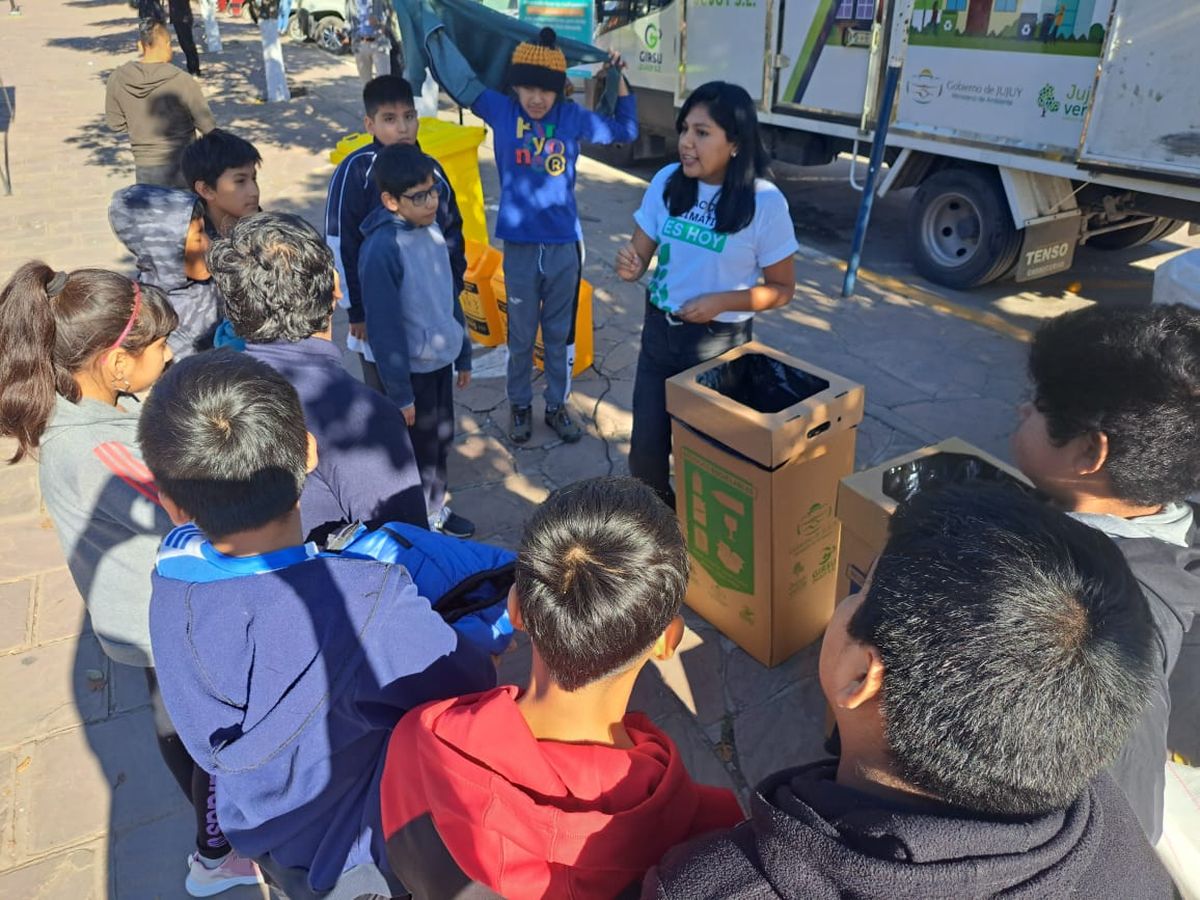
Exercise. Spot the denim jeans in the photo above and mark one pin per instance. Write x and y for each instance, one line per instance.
(667, 350)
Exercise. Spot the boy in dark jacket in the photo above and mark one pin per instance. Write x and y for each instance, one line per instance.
(415, 317)
(283, 667)
(390, 117)
(1113, 436)
(280, 285)
(160, 105)
(557, 790)
(985, 675)
(164, 229)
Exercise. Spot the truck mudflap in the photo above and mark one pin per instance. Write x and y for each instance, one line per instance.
(1048, 246)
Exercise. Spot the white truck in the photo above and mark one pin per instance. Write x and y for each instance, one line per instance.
(1027, 127)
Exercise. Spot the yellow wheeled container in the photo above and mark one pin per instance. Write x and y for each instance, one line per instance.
(583, 324)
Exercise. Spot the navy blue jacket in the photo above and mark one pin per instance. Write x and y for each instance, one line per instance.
(366, 471)
(353, 196)
(284, 685)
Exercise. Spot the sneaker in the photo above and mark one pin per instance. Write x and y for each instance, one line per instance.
(234, 871)
(559, 418)
(451, 524)
(521, 428)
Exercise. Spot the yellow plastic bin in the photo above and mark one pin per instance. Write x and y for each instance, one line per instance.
(484, 322)
(456, 148)
(584, 351)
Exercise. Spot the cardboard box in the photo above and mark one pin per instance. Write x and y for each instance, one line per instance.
(761, 440)
(867, 499)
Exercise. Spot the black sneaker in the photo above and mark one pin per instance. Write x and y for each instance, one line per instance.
(521, 428)
(451, 524)
(559, 418)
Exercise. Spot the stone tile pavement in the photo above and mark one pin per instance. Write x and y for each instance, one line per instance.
(86, 807)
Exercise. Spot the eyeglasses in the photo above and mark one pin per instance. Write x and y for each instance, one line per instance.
(422, 198)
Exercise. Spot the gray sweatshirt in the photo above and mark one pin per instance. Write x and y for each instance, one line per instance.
(104, 505)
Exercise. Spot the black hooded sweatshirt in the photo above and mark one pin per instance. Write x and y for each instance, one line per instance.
(161, 107)
(809, 837)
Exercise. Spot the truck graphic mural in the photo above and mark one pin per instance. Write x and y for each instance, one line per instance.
(1060, 27)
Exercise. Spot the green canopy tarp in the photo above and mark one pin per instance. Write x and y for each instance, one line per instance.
(467, 47)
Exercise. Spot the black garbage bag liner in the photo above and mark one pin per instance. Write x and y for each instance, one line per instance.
(761, 382)
(904, 481)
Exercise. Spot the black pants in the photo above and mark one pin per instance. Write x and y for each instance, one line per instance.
(433, 431)
(182, 22)
(195, 783)
(667, 350)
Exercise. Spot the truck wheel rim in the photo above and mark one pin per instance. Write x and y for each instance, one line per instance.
(951, 230)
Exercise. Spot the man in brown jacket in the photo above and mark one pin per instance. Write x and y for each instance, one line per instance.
(159, 104)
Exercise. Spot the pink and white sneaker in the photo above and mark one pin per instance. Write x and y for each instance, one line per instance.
(232, 872)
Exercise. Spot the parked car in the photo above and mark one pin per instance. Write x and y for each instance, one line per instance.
(320, 21)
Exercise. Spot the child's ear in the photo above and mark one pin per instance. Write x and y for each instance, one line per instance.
(1092, 453)
(664, 648)
(199, 187)
(858, 674)
(175, 513)
(514, 609)
(312, 459)
(369, 125)
(390, 203)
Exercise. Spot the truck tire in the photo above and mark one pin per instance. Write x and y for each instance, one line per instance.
(961, 234)
(1135, 235)
(328, 35)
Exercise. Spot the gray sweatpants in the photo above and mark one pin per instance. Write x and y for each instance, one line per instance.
(542, 281)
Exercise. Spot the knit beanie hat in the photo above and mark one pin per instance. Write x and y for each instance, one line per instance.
(539, 65)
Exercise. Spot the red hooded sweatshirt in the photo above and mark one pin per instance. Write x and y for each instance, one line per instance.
(473, 803)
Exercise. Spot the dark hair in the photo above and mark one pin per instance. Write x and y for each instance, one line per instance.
(276, 275)
(732, 109)
(1016, 647)
(53, 326)
(224, 436)
(1133, 374)
(386, 90)
(208, 158)
(152, 29)
(601, 571)
(401, 167)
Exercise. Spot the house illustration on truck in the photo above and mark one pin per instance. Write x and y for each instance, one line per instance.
(1045, 21)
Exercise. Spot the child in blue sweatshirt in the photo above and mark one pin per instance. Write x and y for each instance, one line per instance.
(415, 318)
(285, 667)
(536, 141)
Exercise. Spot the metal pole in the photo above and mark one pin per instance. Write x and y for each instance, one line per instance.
(896, 51)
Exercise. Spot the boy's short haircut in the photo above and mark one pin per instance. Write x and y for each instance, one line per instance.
(152, 29)
(386, 90)
(208, 158)
(1016, 647)
(276, 274)
(1133, 374)
(401, 167)
(601, 571)
(224, 436)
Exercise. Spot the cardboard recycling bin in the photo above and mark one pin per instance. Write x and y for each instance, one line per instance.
(761, 440)
(478, 298)
(867, 499)
(583, 349)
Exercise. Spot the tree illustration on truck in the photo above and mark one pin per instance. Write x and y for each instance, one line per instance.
(1046, 99)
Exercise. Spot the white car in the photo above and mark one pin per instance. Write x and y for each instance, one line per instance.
(320, 21)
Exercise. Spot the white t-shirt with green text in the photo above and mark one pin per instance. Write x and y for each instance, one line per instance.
(695, 259)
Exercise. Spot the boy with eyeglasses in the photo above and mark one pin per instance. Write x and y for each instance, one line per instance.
(414, 317)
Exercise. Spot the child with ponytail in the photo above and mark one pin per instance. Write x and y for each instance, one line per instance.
(74, 350)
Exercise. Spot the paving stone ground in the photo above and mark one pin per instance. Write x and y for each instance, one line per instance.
(86, 807)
